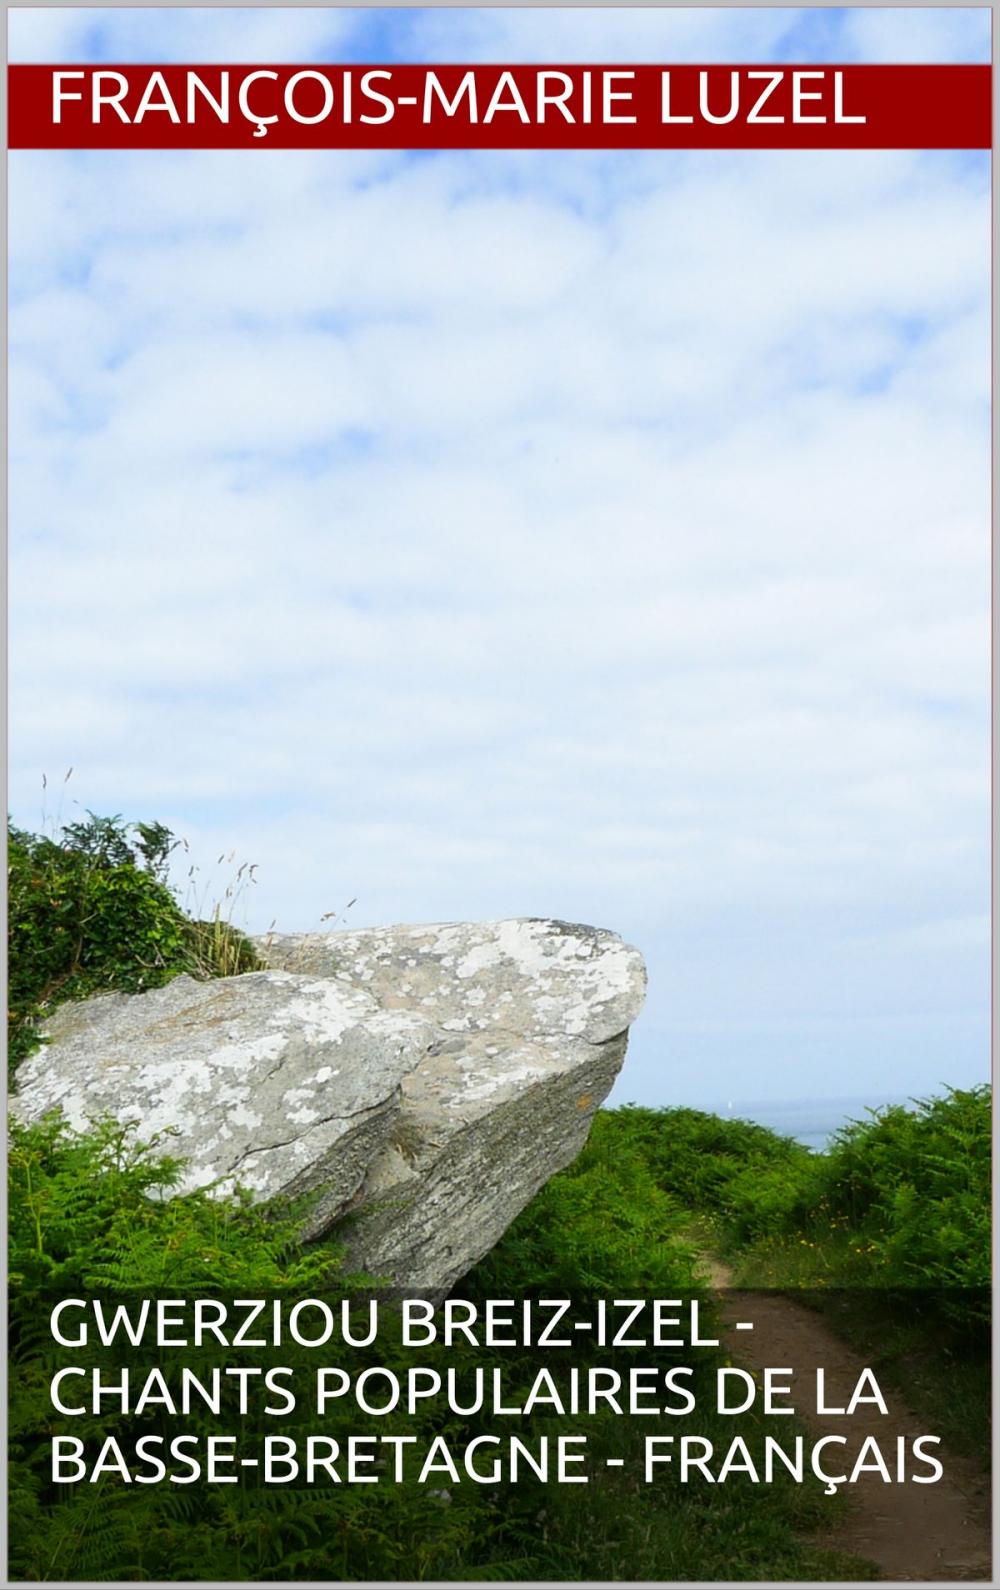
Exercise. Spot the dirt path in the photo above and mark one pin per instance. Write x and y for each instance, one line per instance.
(913, 1532)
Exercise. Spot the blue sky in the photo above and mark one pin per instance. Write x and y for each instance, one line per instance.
(594, 536)
(871, 33)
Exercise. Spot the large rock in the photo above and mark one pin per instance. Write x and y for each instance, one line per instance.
(531, 1022)
(428, 1080)
(285, 1084)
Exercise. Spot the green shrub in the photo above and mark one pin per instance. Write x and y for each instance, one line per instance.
(751, 1178)
(88, 1217)
(602, 1225)
(91, 912)
(901, 1198)
(762, 1200)
(915, 1184)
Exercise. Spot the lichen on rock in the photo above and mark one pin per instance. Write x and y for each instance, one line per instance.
(427, 1079)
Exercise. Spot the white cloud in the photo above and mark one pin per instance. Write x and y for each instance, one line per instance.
(705, 33)
(602, 33)
(204, 33)
(535, 535)
(526, 33)
(911, 34)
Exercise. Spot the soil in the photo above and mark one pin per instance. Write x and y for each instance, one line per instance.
(910, 1531)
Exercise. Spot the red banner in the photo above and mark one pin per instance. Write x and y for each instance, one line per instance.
(499, 107)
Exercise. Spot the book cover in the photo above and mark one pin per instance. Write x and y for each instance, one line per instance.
(498, 859)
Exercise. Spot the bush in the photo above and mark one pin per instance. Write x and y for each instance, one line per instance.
(88, 1219)
(602, 1225)
(751, 1178)
(763, 1200)
(92, 912)
(916, 1184)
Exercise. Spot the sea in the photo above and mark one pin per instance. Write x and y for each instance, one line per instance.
(810, 1121)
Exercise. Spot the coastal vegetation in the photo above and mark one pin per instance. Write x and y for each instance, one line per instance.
(90, 909)
(886, 1232)
(88, 1218)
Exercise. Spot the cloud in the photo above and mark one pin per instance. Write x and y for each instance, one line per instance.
(702, 34)
(251, 34)
(913, 35)
(601, 33)
(595, 536)
(522, 33)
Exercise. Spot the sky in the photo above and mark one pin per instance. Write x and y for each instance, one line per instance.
(597, 536)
